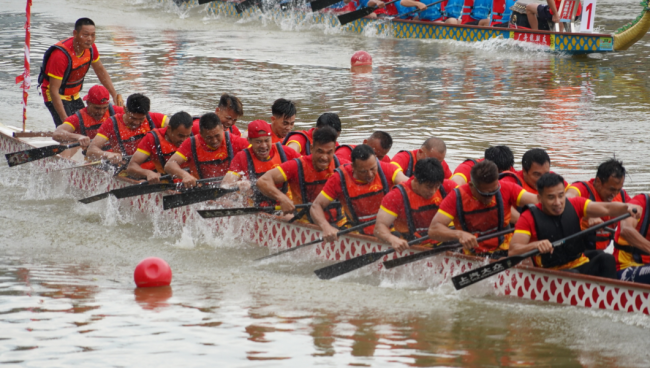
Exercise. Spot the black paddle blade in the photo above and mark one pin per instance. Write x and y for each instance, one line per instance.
(350, 265)
(23, 157)
(95, 198)
(194, 196)
(472, 277)
(241, 7)
(136, 190)
(357, 14)
(201, 2)
(322, 4)
(226, 212)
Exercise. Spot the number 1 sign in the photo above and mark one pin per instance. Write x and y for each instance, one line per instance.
(588, 15)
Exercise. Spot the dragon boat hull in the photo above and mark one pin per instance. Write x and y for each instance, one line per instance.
(567, 43)
(521, 282)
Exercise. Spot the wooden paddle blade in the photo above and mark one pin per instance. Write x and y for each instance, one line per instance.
(95, 198)
(194, 196)
(23, 157)
(350, 265)
(136, 190)
(357, 14)
(322, 4)
(226, 212)
(471, 277)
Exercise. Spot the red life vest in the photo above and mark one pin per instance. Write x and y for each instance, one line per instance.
(637, 254)
(211, 164)
(86, 126)
(361, 202)
(519, 179)
(164, 151)
(310, 183)
(602, 238)
(74, 75)
(307, 134)
(257, 168)
(410, 167)
(473, 217)
(419, 212)
(130, 137)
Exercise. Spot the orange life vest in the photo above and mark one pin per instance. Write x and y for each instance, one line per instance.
(361, 202)
(307, 134)
(419, 212)
(164, 151)
(130, 137)
(519, 179)
(473, 217)
(637, 254)
(86, 126)
(257, 168)
(74, 75)
(211, 164)
(601, 238)
(310, 183)
(410, 167)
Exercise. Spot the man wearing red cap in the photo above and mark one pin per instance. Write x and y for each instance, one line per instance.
(83, 125)
(207, 154)
(64, 68)
(262, 156)
(158, 146)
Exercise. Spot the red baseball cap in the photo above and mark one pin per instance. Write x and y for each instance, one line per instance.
(97, 95)
(259, 128)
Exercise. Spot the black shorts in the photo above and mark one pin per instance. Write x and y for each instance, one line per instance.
(70, 108)
(544, 13)
(472, 23)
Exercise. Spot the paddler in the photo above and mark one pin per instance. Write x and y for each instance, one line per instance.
(306, 175)
(479, 207)
(158, 146)
(124, 131)
(229, 110)
(632, 244)
(557, 217)
(380, 142)
(301, 140)
(410, 206)
(607, 186)
(432, 147)
(360, 187)
(82, 126)
(501, 155)
(207, 154)
(261, 156)
(534, 163)
(283, 116)
(64, 68)
(546, 13)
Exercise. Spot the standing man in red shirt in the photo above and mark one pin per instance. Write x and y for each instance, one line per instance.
(124, 131)
(557, 217)
(432, 147)
(481, 206)
(64, 68)
(158, 146)
(306, 175)
(501, 155)
(606, 187)
(410, 206)
(301, 140)
(283, 116)
(82, 126)
(208, 154)
(360, 187)
(380, 142)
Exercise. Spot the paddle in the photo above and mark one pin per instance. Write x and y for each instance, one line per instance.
(226, 212)
(352, 264)
(357, 14)
(320, 240)
(322, 4)
(417, 10)
(94, 163)
(471, 277)
(23, 157)
(437, 250)
(241, 7)
(195, 196)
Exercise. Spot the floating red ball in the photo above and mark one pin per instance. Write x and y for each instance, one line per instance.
(152, 272)
(361, 58)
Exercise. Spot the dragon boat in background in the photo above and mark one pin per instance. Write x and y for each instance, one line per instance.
(524, 282)
(553, 41)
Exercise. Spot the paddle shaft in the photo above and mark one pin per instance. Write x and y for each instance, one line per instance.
(34, 154)
(241, 211)
(412, 12)
(354, 15)
(471, 277)
(320, 240)
(94, 163)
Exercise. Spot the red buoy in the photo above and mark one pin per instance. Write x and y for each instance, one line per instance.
(152, 272)
(361, 58)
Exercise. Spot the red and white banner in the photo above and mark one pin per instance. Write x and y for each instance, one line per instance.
(588, 16)
(25, 77)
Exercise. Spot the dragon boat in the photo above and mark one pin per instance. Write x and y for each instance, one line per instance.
(552, 41)
(525, 282)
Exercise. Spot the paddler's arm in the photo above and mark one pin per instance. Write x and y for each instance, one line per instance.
(173, 167)
(526, 198)
(136, 170)
(553, 9)
(267, 184)
(612, 209)
(55, 85)
(439, 230)
(317, 212)
(520, 244)
(572, 192)
(382, 231)
(294, 145)
(64, 133)
(413, 3)
(514, 215)
(632, 236)
(95, 151)
(105, 80)
(400, 178)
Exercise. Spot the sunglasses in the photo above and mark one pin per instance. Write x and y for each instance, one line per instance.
(487, 194)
